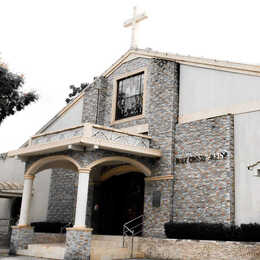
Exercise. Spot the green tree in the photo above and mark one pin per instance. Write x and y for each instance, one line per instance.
(75, 91)
(12, 99)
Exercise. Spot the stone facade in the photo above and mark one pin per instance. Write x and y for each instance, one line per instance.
(20, 239)
(78, 244)
(62, 196)
(160, 112)
(155, 248)
(42, 238)
(193, 181)
(4, 232)
(155, 217)
(94, 102)
(204, 187)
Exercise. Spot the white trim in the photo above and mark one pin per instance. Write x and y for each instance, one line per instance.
(247, 69)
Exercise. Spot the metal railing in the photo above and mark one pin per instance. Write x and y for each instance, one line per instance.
(132, 228)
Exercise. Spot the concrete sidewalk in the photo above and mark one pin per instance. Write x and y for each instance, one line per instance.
(6, 257)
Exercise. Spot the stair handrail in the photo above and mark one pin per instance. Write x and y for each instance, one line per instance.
(131, 230)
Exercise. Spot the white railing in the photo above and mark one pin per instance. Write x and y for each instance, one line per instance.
(91, 136)
(57, 135)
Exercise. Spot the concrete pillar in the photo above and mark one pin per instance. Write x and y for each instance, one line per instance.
(82, 199)
(26, 201)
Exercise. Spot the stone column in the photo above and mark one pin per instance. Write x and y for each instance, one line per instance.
(26, 201)
(78, 238)
(22, 235)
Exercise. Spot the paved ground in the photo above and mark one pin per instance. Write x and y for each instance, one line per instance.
(2, 257)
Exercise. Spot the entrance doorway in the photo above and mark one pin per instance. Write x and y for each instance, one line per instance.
(117, 201)
(15, 210)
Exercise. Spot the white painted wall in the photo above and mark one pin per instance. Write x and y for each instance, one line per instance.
(206, 93)
(41, 186)
(72, 117)
(247, 152)
(5, 208)
(12, 170)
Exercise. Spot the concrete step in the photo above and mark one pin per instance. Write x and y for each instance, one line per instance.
(107, 237)
(106, 243)
(53, 251)
(108, 253)
(102, 248)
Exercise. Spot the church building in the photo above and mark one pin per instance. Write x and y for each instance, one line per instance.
(157, 135)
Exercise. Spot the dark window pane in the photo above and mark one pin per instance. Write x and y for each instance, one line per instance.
(129, 96)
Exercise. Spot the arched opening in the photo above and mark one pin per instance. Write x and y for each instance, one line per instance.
(53, 162)
(55, 190)
(118, 193)
(117, 200)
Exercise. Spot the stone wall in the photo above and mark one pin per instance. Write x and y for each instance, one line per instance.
(43, 238)
(78, 244)
(204, 178)
(155, 217)
(162, 115)
(4, 232)
(94, 102)
(20, 238)
(62, 196)
(197, 249)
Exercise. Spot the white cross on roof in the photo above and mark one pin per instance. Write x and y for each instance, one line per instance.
(133, 22)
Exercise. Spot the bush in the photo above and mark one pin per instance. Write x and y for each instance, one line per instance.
(49, 227)
(207, 231)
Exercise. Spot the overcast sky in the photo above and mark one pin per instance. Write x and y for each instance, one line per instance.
(56, 43)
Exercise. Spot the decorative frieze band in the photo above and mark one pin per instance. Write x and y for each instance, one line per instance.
(159, 178)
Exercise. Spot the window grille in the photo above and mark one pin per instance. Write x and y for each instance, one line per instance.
(130, 96)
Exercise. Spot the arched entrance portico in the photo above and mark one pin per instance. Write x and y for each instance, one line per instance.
(124, 169)
(50, 162)
(117, 165)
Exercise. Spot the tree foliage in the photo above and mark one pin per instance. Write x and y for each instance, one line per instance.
(75, 91)
(12, 99)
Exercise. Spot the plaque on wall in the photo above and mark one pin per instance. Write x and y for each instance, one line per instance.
(156, 199)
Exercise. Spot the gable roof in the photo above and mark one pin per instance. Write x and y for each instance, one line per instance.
(235, 67)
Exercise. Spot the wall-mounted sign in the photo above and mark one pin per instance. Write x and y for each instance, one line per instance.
(202, 158)
(156, 199)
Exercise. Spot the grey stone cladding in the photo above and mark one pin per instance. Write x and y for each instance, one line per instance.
(4, 232)
(78, 244)
(204, 189)
(62, 196)
(160, 112)
(155, 217)
(20, 239)
(94, 102)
